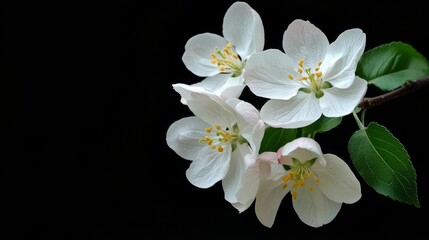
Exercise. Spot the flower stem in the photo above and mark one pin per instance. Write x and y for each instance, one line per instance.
(358, 121)
(362, 116)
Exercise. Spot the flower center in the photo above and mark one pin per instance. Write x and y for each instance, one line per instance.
(300, 175)
(311, 78)
(227, 60)
(217, 137)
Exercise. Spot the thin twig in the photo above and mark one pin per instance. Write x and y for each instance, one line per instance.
(407, 88)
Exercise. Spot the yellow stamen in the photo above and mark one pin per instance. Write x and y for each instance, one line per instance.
(223, 69)
(227, 60)
(312, 78)
(218, 138)
(298, 175)
(295, 185)
(290, 77)
(301, 63)
(220, 149)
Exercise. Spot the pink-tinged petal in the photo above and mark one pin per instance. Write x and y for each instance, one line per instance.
(197, 56)
(303, 149)
(270, 157)
(242, 26)
(337, 181)
(299, 111)
(209, 167)
(269, 197)
(183, 136)
(267, 72)
(343, 54)
(303, 40)
(314, 208)
(265, 168)
(338, 102)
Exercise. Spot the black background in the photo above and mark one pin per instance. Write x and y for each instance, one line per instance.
(87, 92)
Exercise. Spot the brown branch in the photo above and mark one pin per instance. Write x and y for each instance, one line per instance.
(407, 88)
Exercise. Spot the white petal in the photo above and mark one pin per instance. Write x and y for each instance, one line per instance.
(299, 111)
(303, 149)
(232, 180)
(267, 73)
(197, 57)
(209, 167)
(269, 198)
(248, 115)
(242, 26)
(223, 85)
(214, 83)
(338, 102)
(185, 91)
(251, 126)
(211, 109)
(250, 180)
(337, 181)
(183, 137)
(313, 208)
(248, 184)
(242, 206)
(343, 54)
(303, 40)
(270, 157)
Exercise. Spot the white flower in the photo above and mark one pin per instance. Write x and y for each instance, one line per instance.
(319, 184)
(222, 140)
(311, 78)
(222, 59)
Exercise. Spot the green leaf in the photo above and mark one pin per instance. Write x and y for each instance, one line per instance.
(384, 163)
(275, 138)
(323, 124)
(389, 66)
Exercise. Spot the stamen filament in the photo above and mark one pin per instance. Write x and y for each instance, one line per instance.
(227, 60)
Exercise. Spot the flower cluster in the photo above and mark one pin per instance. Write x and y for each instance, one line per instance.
(310, 78)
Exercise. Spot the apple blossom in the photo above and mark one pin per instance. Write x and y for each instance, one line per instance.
(222, 59)
(312, 77)
(319, 184)
(222, 141)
